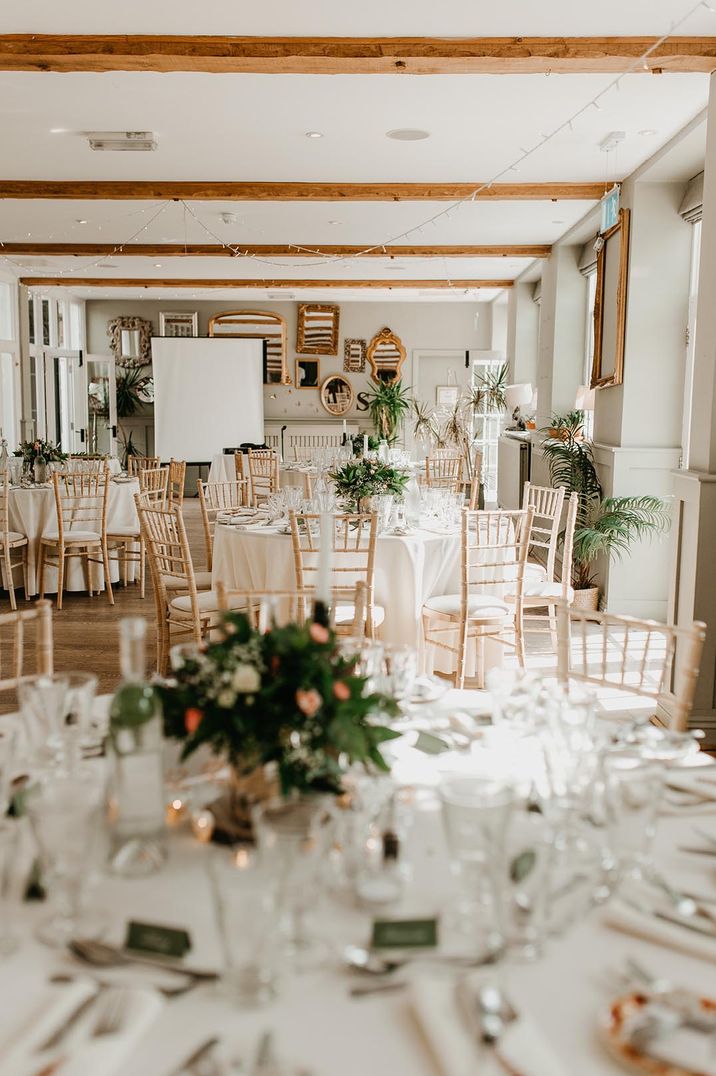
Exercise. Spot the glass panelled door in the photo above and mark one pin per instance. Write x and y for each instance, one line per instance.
(101, 405)
(488, 425)
(64, 413)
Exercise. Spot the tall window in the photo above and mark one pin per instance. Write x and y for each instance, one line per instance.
(591, 279)
(487, 431)
(690, 342)
(9, 365)
(55, 336)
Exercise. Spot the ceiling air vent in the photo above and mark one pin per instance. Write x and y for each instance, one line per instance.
(116, 141)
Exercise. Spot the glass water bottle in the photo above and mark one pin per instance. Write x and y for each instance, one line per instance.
(137, 837)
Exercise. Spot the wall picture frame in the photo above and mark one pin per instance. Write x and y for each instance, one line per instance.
(178, 323)
(317, 329)
(337, 395)
(610, 304)
(308, 373)
(354, 355)
(447, 396)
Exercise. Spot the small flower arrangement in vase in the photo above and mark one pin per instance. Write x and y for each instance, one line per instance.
(37, 454)
(283, 707)
(363, 478)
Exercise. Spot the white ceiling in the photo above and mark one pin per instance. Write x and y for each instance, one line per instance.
(399, 18)
(252, 127)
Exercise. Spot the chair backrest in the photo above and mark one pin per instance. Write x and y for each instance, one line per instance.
(154, 482)
(494, 547)
(215, 497)
(168, 552)
(21, 631)
(280, 607)
(444, 471)
(476, 480)
(353, 560)
(81, 499)
(568, 543)
(547, 503)
(177, 475)
(263, 471)
(635, 656)
(85, 463)
(135, 464)
(5, 503)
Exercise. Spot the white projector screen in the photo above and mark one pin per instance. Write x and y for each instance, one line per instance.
(208, 395)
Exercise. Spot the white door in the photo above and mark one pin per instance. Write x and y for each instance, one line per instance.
(63, 399)
(101, 403)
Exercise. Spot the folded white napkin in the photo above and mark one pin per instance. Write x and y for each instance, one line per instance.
(620, 916)
(78, 1054)
(521, 1048)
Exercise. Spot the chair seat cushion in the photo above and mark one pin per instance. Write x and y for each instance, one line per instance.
(13, 537)
(73, 536)
(345, 614)
(480, 606)
(553, 591)
(535, 572)
(202, 579)
(124, 532)
(208, 602)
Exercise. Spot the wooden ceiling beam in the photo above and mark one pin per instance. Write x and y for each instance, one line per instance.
(231, 282)
(279, 250)
(352, 55)
(258, 191)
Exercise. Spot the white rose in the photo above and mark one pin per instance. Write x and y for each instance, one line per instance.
(245, 679)
(226, 699)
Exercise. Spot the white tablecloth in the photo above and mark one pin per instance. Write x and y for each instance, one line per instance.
(223, 469)
(316, 1025)
(32, 512)
(408, 571)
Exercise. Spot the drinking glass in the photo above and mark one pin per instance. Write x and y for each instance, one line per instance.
(245, 898)
(80, 720)
(15, 468)
(382, 503)
(9, 896)
(293, 836)
(633, 784)
(65, 812)
(366, 657)
(476, 813)
(400, 670)
(43, 706)
(530, 854)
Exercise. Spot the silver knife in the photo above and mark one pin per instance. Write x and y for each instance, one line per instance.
(197, 1055)
(688, 923)
(698, 851)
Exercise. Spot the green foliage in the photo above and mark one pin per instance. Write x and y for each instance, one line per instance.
(32, 450)
(488, 395)
(132, 386)
(357, 443)
(605, 527)
(285, 697)
(388, 403)
(368, 478)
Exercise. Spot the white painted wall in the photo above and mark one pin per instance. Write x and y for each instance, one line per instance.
(522, 334)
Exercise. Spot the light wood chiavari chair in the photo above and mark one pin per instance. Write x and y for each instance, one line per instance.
(476, 482)
(135, 464)
(177, 476)
(353, 562)
(547, 503)
(11, 542)
(264, 473)
(127, 542)
(548, 593)
(493, 555)
(78, 462)
(444, 472)
(184, 611)
(217, 497)
(81, 499)
(639, 657)
(267, 607)
(20, 632)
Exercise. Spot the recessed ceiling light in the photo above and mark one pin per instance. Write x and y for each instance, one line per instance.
(157, 265)
(335, 222)
(58, 130)
(558, 222)
(314, 134)
(647, 131)
(407, 134)
(80, 221)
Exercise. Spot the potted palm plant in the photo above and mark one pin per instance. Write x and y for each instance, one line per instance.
(606, 526)
(388, 403)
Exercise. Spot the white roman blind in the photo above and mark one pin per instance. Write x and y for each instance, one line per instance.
(692, 204)
(587, 263)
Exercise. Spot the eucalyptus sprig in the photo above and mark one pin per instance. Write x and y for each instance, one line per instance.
(368, 478)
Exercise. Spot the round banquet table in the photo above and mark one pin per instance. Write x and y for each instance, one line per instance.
(32, 512)
(317, 1026)
(409, 569)
(223, 469)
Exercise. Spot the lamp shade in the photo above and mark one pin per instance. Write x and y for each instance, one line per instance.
(518, 396)
(585, 398)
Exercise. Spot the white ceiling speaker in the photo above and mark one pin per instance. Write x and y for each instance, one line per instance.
(228, 218)
(407, 134)
(119, 141)
(611, 141)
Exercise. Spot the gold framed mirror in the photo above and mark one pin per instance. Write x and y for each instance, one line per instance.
(386, 355)
(317, 329)
(337, 394)
(610, 303)
(261, 324)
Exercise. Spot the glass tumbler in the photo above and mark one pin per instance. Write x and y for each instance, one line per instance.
(633, 784)
(43, 708)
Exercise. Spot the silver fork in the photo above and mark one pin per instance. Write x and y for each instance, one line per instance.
(112, 1014)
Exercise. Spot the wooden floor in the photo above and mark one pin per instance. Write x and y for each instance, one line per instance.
(86, 630)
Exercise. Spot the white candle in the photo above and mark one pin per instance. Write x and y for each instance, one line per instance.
(365, 444)
(345, 427)
(325, 559)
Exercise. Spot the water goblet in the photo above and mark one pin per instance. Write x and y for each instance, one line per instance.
(633, 782)
(43, 706)
(400, 670)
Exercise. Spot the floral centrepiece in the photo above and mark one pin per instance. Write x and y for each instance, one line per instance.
(34, 450)
(284, 697)
(368, 478)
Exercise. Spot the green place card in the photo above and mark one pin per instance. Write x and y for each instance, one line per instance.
(151, 938)
(405, 934)
(430, 744)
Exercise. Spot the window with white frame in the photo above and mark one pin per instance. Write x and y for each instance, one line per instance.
(690, 342)
(10, 380)
(487, 429)
(56, 335)
(591, 281)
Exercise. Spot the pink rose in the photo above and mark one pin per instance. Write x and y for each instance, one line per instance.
(318, 633)
(341, 690)
(192, 719)
(309, 701)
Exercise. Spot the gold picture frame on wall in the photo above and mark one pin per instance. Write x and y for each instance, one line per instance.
(610, 304)
(262, 325)
(337, 394)
(317, 329)
(386, 355)
(308, 373)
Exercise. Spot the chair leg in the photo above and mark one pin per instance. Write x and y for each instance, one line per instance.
(142, 568)
(25, 574)
(60, 575)
(519, 638)
(7, 557)
(107, 573)
(41, 571)
(553, 626)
